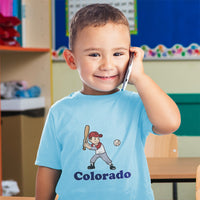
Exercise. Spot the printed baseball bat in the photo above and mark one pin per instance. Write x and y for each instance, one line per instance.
(86, 132)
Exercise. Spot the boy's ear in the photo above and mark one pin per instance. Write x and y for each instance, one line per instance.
(69, 58)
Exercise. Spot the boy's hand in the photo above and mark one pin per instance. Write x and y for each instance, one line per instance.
(138, 69)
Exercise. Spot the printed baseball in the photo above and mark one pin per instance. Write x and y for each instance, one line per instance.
(117, 142)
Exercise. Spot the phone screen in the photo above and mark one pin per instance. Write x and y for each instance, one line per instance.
(128, 72)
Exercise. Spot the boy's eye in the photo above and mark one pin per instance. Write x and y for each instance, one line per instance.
(117, 54)
(94, 55)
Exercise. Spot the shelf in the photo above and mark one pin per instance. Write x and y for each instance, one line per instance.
(31, 63)
(22, 104)
(21, 49)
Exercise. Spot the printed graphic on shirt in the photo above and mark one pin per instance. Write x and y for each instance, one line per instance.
(117, 142)
(92, 142)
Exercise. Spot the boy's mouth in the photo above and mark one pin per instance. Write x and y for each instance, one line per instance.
(106, 77)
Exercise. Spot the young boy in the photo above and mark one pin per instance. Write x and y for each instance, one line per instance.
(99, 50)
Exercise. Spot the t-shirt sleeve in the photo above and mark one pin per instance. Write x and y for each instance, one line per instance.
(48, 154)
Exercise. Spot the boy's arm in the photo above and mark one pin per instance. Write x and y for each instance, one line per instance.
(46, 181)
(161, 109)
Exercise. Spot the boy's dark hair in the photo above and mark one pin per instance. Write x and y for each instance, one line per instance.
(94, 15)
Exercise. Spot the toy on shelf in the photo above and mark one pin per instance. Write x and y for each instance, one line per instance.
(18, 89)
(8, 32)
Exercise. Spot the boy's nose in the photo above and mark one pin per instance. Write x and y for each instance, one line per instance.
(106, 64)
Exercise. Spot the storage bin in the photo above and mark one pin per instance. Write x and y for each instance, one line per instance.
(22, 123)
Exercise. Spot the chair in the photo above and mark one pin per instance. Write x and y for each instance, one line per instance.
(198, 183)
(162, 146)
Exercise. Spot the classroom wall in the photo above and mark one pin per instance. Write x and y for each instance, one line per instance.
(173, 77)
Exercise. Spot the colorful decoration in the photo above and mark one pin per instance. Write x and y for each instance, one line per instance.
(176, 52)
(160, 52)
(58, 54)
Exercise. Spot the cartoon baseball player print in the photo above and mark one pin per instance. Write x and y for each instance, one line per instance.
(98, 147)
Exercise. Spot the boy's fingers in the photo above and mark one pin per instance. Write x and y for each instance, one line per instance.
(138, 52)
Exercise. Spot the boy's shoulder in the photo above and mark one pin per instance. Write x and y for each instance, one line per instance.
(130, 94)
(130, 98)
(64, 101)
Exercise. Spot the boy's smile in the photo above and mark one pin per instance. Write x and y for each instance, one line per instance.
(101, 55)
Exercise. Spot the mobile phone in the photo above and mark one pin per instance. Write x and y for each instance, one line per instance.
(128, 72)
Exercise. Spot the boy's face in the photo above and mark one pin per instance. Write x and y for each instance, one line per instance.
(101, 56)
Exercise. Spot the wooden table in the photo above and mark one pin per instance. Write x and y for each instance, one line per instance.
(173, 170)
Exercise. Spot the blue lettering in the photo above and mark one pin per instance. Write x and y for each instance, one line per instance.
(127, 175)
(119, 175)
(92, 176)
(112, 176)
(105, 176)
(76, 175)
(98, 176)
(86, 177)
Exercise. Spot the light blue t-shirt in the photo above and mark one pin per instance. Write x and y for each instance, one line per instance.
(116, 167)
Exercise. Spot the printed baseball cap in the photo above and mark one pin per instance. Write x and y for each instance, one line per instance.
(94, 134)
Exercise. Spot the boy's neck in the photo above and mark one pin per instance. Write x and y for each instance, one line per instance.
(94, 92)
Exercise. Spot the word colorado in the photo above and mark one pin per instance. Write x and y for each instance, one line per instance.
(106, 176)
